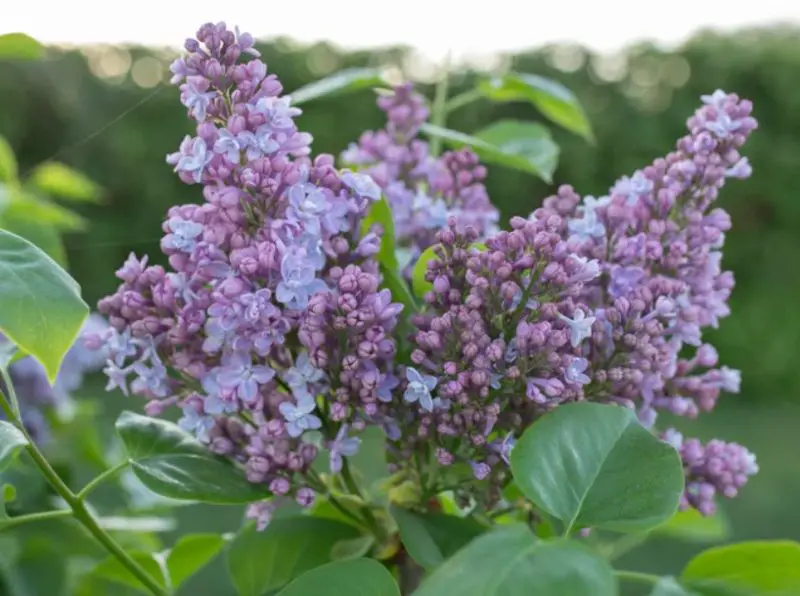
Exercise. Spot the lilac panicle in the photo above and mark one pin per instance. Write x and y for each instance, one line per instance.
(594, 299)
(267, 328)
(424, 191)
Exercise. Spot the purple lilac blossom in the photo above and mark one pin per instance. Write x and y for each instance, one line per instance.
(423, 190)
(272, 259)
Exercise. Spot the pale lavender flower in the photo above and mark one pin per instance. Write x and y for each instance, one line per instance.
(299, 279)
(580, 327)
(196, 96)
(183, 236)
(419, 388)
(192, 158)
(299, 417)
(343, 446)
(575, 371)
(240, 374)
(361, 184)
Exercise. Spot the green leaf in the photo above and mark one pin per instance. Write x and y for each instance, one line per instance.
(758, 567)
(487, 151)
(352, 548)
(174, 464)
(551, 98)
(381, 213)
(419, 284)
(692, 526)
(18, 46)
(60, 180)
(190, 554)
(41, 309)
(8, 165)
(45, 237)
(431, 538)
(12, 441)
(594, 465)
(399, 289)
(512, 562)
(344, 578)
(27, 206)
(260, 562)
(528, 140)
(344, 81)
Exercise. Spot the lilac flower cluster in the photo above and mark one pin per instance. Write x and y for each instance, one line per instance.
(269, 329)
(594, 299)
(424, 191)
(38, 399)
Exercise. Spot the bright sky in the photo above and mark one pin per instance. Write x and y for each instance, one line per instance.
(432, 26)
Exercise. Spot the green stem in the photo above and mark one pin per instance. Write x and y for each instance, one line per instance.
(94, 483)
(34, 517)
(81, 513)
(463, 99)
(638, 576)
(439, 114)
(12, 395)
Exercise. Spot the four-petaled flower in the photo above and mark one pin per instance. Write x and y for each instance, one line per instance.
(300, 280)
(299, 417)
(575, 372)
(580, 327)
(195, 421)
(240, 374)
(363, 185)
(307, 204)
(343, 446)
(419, 388)
(196, 97)
(192, 158)
(183, 236)
(303, 373)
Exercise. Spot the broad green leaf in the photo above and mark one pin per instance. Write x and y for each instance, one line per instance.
(381, 213)
(488, 152)
(692, 526)
(60, 180)
(174, 464)
(27, 206)
(190, 554)
(12, 441)
(528, 140)
(511, 561)
(352, 548)
(355, 577)
(419, 284)
(399, 289)
(758, 567)
(8, 167)
(18, 46)
(668, 586)
(44, 236)
(41, 309)
(344, 81)
(431, 538)
(594, 465)
(552, 99)
(265, 561)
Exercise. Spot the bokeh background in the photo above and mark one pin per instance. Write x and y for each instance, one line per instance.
(106, 110)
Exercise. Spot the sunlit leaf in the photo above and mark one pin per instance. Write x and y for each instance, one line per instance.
(344, 81)
(528, 140)
(18, 46)
(61, 181)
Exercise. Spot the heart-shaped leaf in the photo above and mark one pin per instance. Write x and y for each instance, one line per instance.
(431, 538)
(594, 465)
(262, 562)
(511, 561)
(174, 464)
(757, 567)
(551, 98)
(41, 309)
(344, 578)
(344, 81)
